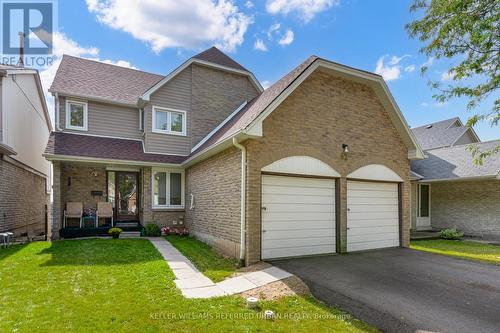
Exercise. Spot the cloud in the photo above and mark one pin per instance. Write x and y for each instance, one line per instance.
(396, 60)
(265, 84)
(249, 4)
(259, 45)
(438, 105)
(272, 30)
(65, 45)
(390, 71)
(428, 63)
(448, 76)
(424, 104)
(187, 24)
(410, 68)
(287, 39)
(306, 9)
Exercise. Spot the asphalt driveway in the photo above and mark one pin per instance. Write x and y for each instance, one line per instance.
(403, 290)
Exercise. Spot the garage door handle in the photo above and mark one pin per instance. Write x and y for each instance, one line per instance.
(348, 209)
(348, 228)
(263, 231)
(264, 208)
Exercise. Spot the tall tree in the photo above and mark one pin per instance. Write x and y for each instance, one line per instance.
(467, 31)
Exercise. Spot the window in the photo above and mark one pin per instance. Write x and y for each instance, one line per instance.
(424, 200)
(141, 119)
(168, 188)
(76, 115)
(169, 121)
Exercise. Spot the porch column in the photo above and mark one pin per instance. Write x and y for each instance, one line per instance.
(57, 205)
(342, 214)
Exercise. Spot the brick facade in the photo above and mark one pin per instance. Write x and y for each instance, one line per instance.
(24, 199)
(315, 120)
(472, 207)
(215, 186)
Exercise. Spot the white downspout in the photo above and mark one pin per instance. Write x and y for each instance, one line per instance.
(56, 102)
(243, 202)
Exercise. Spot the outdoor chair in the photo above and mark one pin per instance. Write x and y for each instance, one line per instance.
(104, 210)
(74, 210)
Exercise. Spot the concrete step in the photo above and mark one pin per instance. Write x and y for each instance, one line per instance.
(130, 234)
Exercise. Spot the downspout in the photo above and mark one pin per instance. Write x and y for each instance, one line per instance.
(242, 202)
(56, 102)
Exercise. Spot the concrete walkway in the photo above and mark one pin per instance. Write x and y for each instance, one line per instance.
(193, 284)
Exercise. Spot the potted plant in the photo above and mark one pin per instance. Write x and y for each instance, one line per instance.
(115, 232)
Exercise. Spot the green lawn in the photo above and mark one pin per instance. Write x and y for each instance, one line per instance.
(214, 266)
(124, 285)
(462, 249)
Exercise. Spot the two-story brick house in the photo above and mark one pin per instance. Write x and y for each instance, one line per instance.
(317, 163)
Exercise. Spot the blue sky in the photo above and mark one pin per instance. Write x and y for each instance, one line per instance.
(269, 37)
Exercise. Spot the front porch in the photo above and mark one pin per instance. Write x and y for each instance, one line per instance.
(126, 190)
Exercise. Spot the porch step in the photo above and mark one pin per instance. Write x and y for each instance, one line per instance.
(130, 234)
(126, 224)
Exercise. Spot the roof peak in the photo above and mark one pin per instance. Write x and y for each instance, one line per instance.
(216, 56)
(437, 122)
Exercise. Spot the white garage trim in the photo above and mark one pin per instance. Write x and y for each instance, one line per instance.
(298, 216)
(373, 215)
(301, 165)
(376, 172)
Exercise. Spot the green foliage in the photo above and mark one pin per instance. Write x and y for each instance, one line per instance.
(115, 231)
(125, 285)
(152, 230)
(210, 263)
(452, 234)
(468, 32)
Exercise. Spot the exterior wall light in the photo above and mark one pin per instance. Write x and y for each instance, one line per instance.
(345, 148)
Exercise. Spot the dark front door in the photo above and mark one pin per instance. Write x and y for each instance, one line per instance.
(126, 196)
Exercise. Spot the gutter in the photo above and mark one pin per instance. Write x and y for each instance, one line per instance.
(56, 97)
(243, 201)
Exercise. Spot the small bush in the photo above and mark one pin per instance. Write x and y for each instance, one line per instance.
(115, 231)
(152, 230)
(452, 234)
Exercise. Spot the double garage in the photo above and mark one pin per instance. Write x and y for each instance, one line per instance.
(301, 215)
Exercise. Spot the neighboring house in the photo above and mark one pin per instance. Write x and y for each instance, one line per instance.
(24, 173)
(317, 163)
(448, 189)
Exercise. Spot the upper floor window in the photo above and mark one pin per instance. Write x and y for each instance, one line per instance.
(169, 121)
(76, 115)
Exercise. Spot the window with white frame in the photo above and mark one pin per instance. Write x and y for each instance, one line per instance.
(169, 121)
(76, 115)
(168, 188)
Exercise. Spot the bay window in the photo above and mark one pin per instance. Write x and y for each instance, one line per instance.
(168, 188)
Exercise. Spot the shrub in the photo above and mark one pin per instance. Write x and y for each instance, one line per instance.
(115, 232)
(453, 234)
(152, 230)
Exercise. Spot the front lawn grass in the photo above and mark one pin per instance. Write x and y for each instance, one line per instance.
(214, 266)
(462, 249)
(124, 285)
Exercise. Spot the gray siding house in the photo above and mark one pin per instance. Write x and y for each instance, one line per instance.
(448, 189)
(24, 173)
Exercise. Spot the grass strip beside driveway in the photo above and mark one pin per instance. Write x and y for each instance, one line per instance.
(209, 262)
(462, 249)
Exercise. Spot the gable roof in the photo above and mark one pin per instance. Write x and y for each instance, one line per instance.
(212, 57)
(454, 163)
(88, 147)
(248, 121)
(215, 56)
(443, 133)
(100, 81)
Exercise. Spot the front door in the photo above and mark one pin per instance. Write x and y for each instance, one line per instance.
(126, 195)
(424, 207)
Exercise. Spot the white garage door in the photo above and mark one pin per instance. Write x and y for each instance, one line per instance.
(298, 216)
(372, 215)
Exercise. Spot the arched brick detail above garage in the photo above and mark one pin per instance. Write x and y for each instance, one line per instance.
(301, 165)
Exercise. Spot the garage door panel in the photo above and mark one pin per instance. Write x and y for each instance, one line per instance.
(373, 215)
(306, 208)
(298, 199)
(297, 251)
(299, 216)
(297, 225)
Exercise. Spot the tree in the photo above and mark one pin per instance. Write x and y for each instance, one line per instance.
(468, 32)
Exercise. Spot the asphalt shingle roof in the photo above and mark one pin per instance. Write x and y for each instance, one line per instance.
(215, 56)
(438, 134)
(456, 162)
(94, 79)
(68, 144)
